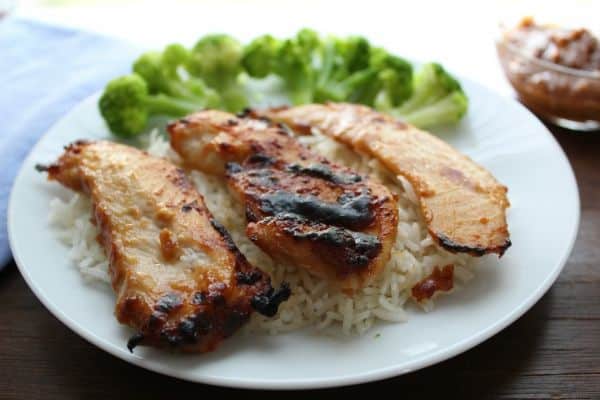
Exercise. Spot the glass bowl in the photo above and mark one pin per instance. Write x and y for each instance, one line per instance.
(565, 96)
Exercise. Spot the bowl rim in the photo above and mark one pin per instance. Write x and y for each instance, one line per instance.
(579, 73)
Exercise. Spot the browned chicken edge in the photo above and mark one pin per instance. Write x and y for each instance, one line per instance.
(454, 247)
(179, 320)
(299, 205)
(360, 122)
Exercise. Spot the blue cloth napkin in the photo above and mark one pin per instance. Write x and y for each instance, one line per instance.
(44, 71)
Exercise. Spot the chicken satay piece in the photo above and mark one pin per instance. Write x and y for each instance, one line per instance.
(179, 278)
(301, 209)
(463, 205)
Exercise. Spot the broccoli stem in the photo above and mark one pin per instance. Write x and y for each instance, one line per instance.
(301, 96)
(169, 106)
(447, 110)
(327, 64)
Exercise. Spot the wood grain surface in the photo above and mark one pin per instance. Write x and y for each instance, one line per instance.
(553, 351)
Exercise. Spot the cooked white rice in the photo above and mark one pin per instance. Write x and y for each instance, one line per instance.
(313, 303)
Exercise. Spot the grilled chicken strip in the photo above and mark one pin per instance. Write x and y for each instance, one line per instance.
(462, 203)
(180, 280)
(300, 208)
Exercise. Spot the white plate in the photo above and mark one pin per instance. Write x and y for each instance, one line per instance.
(498, 133)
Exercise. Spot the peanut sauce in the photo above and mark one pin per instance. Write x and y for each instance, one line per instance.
(571, 89)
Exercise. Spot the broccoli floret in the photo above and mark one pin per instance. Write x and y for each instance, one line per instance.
(174, 57)
(432, 83)
(149, 67)
(161, 73)
(361, 74)
(126, 105)
(309, 41)
(294, 65)
(217, 60)
(437, 99)
(260, 55)
(355, 52)
(395, 75)
(339, 59)
(177, 81)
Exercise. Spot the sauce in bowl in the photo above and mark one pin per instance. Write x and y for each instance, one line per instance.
(556, 72)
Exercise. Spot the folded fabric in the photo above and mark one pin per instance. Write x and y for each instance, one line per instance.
(44, 71)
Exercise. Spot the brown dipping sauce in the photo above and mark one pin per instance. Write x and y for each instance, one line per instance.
(532, 56)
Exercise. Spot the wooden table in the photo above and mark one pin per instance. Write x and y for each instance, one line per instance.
(553, 351)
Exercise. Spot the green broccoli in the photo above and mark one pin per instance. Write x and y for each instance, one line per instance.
(260, 55)
(174, 57)
(449, 109)
(291, 59)
(340, 58)
(308, 40)
(362, 73)
(126, 105)
(294, 65)
(217, 60)
(177, 80)
(437, 99)
(355, 52)
(395, 76)
(161, 73)
(332, 69)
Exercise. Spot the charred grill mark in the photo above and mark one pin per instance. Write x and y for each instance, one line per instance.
(188, 330)
(232, 168)
(246, 112)
(478, 251)
(215, 293)
(270, 299)
(234, 321)
(203, 324)
(171, 337)
(241, 263)
(193, 205)
(168, 302)
(180, 179)
(173, 124)
(199, 298)
(225, 235)
(251, 215)
(259, 179)
(163, 312)
(260, 159)
(157, 318)
(324, 172)
(351, 210)
(52, 169)
(358, 249)
(248, 278)
(251, 113)
(134, 341)
(211, 318)
(268, 304)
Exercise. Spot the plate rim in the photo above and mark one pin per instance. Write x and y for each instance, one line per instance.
(426, 360)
